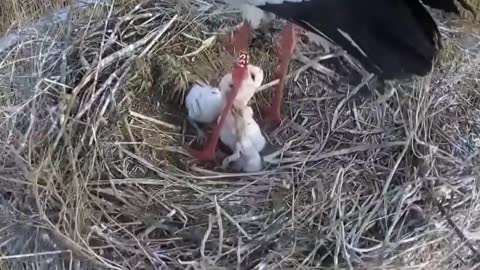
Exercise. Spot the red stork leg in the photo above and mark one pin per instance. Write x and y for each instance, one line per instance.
(288, 41)
(231, 41)
(239, 74)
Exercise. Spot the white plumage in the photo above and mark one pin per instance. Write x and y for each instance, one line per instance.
(241, 133)
(228, 133)
(251, 130)
(204, 103)
(246, 140)
(248, 87)
(245, 158)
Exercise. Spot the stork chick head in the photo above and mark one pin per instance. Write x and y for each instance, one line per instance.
(247, 86)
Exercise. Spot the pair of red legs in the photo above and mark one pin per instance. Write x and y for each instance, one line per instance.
(240, 43)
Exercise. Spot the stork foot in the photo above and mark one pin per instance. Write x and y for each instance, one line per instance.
(201, 137)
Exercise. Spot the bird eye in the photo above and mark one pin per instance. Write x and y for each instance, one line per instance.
(230, 85)
(252, 76)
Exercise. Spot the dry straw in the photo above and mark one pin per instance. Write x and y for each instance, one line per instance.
(96, 174)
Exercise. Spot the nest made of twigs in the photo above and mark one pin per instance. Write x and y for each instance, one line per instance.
(96, 173)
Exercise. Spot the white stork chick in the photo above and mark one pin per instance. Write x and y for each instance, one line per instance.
(205, 103)
(228, 133)
(241, 133)
(249, 142)
(244, 93)
(248, 87)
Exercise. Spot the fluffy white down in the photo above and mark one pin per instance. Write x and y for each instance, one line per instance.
(246, 158)
(240, 133)
(246, 144)
(252, 130)
(228, 133)
(248, 87)
(204, 103)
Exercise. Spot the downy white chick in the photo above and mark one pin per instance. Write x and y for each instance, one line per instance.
(248, 87)
(248, 144)
(241, 133)
(228, 133)
(205, 103)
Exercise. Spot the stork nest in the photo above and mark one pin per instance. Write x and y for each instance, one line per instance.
(96, 174)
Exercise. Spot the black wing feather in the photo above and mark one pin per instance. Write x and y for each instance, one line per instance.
(445, 5)
(399, 37)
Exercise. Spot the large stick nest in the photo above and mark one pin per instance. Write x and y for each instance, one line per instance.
(96, 173)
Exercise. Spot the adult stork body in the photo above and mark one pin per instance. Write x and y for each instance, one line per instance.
(390, 38)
